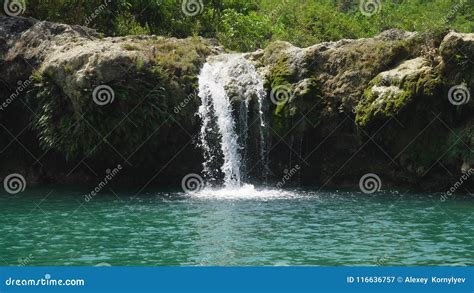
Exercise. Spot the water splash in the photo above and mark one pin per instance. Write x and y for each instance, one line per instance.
(247, 192)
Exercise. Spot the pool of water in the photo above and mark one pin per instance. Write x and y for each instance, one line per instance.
(246, 227)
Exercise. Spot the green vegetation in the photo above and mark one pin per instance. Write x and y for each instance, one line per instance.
(144, 97)
(60, 123)
(389, 104)
(245, 25)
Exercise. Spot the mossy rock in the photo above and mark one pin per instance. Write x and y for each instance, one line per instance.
(457, 51)
(392, 91)
(154, 100)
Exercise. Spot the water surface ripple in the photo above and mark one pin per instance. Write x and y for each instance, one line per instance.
(293, 227)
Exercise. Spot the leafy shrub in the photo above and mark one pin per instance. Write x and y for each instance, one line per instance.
(247, 25)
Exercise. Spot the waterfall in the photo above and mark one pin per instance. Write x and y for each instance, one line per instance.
(224, 81)
(261, 115)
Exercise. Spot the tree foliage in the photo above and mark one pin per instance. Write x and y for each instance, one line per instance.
(245, 25)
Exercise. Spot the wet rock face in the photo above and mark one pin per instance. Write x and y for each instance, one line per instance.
(338, 109)
(393, 90)
(105, 100)
(377, 105)
(342, 68)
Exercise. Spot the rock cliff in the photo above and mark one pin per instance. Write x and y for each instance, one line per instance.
(76, 103)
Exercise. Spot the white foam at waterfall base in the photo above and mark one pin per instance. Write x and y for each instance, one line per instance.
(245, 192)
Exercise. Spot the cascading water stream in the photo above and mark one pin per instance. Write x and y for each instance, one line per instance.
(223, 79)
(216, 102)
(261, 115)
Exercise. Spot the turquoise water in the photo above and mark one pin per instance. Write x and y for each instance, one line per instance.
(296, 227)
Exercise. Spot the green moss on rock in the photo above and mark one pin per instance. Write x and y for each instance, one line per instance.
(392, 91)
(149, 98)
